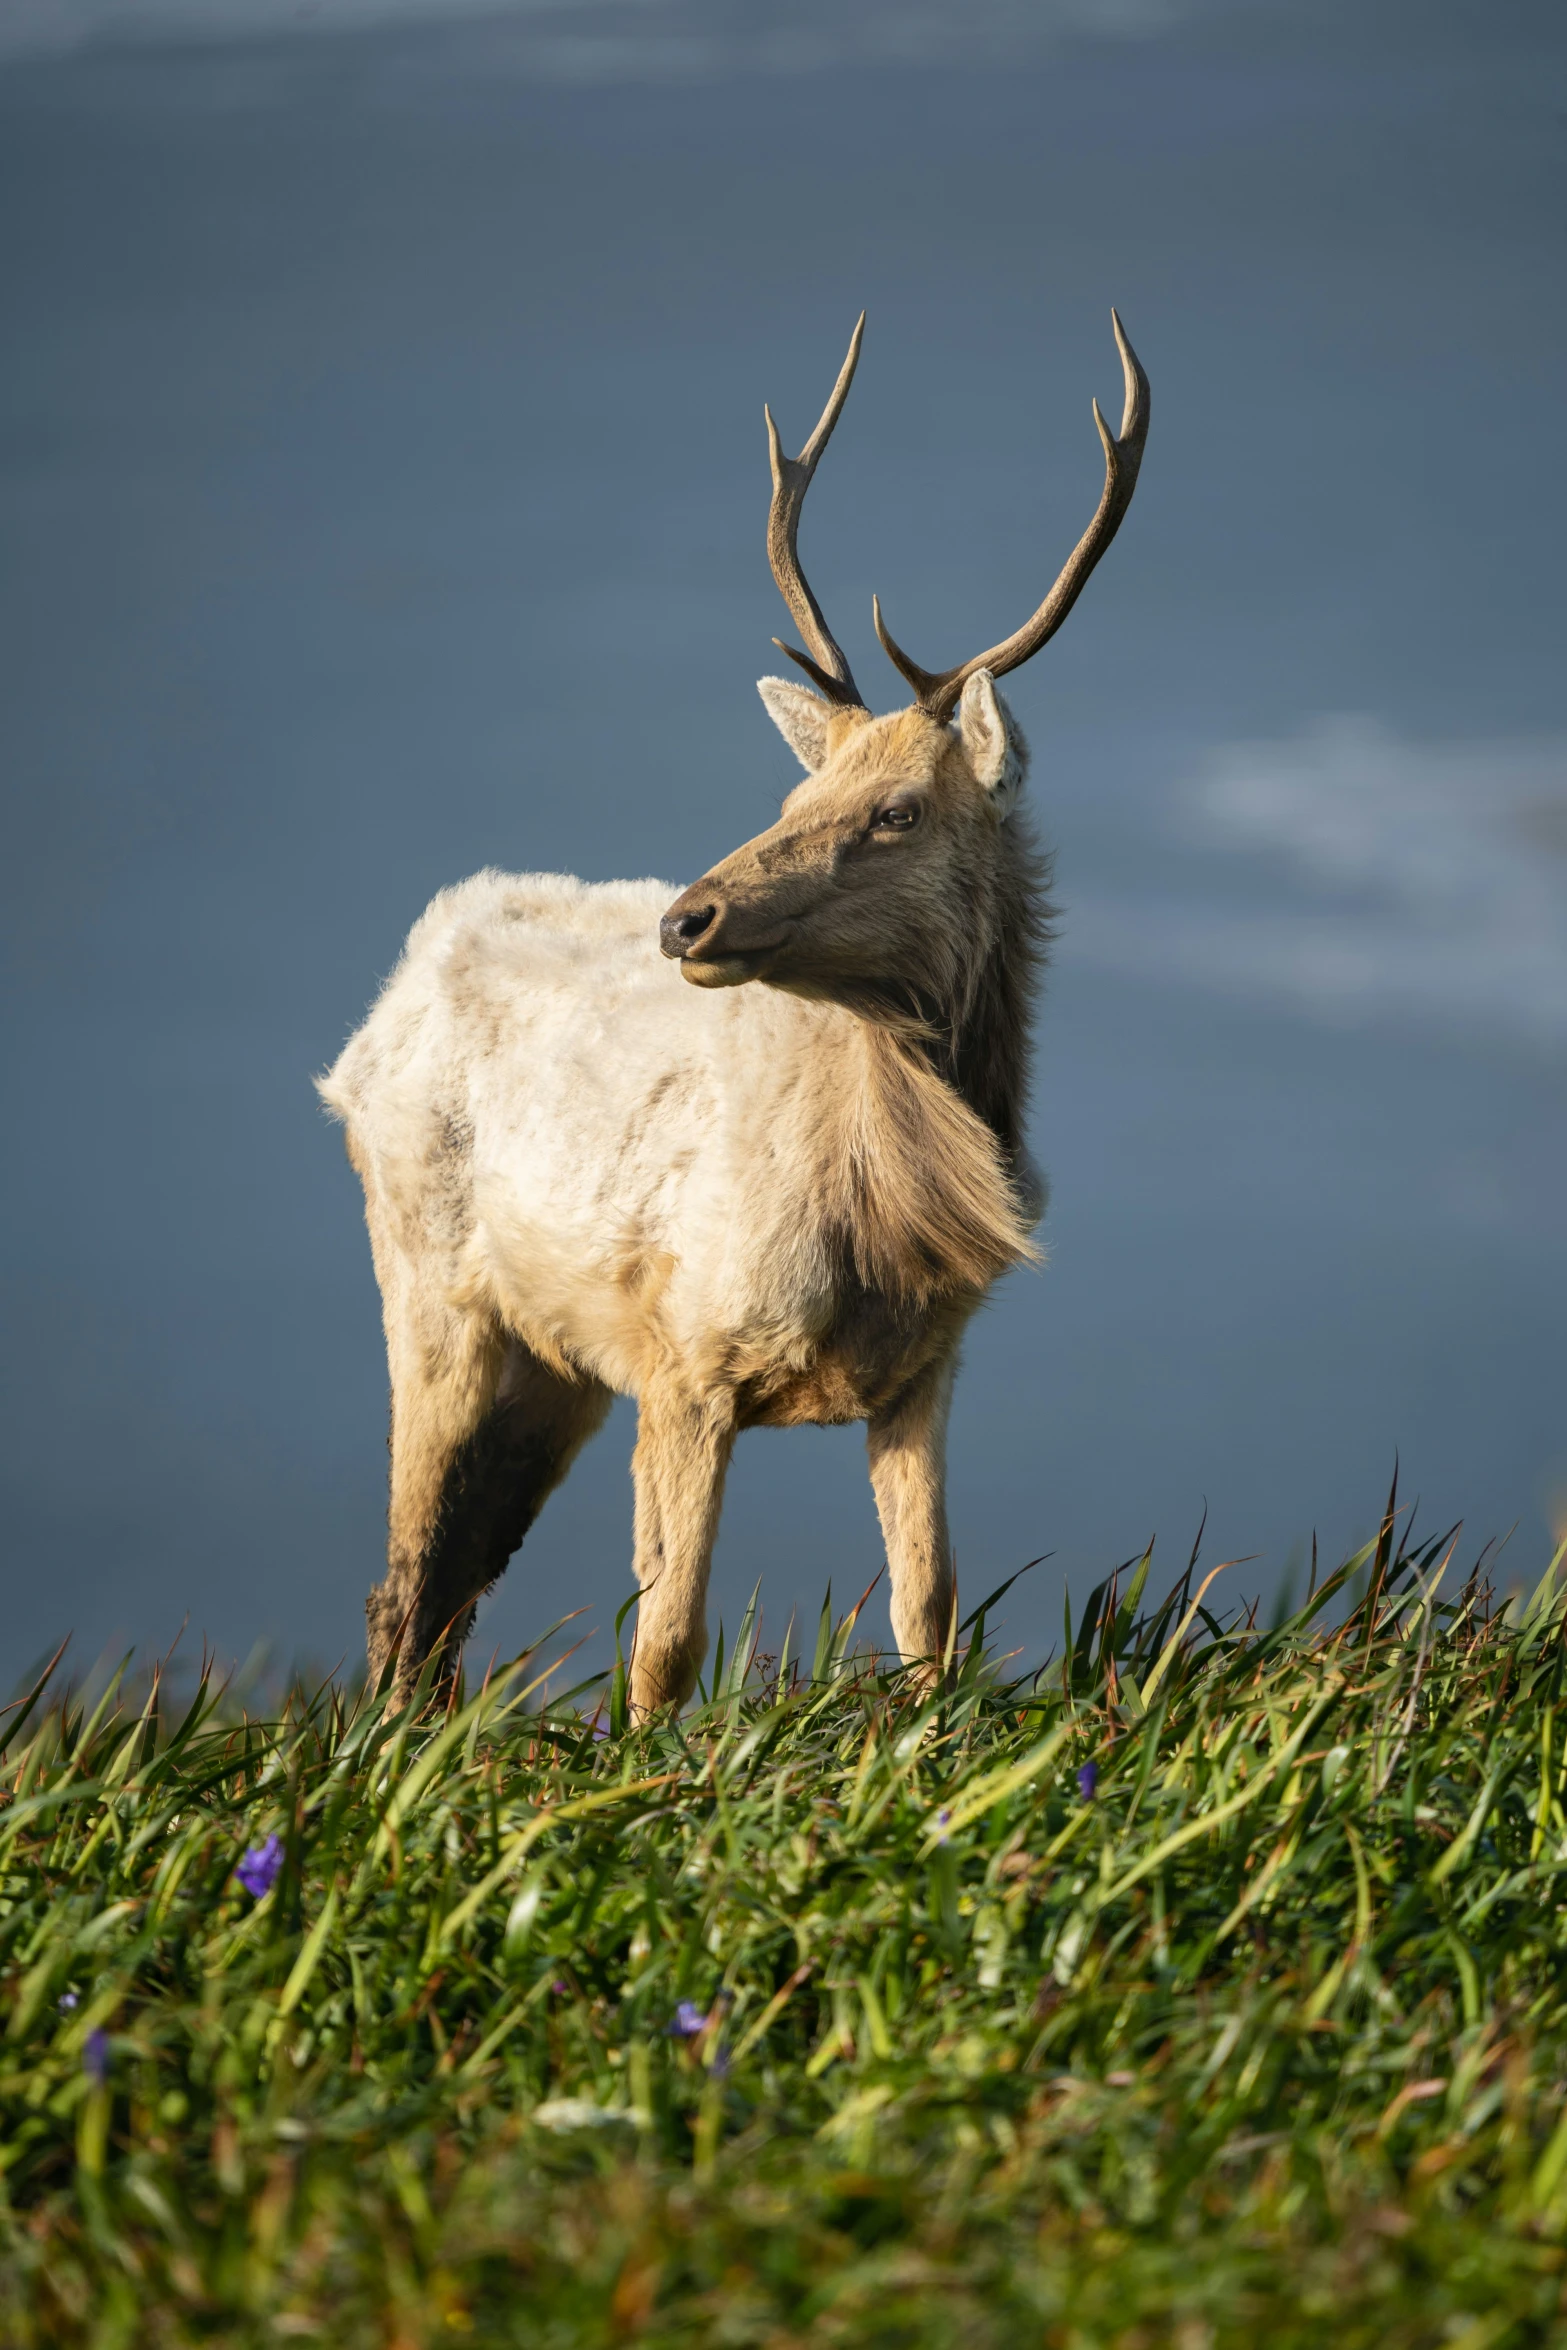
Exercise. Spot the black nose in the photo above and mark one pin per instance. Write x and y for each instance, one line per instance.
(678, 931)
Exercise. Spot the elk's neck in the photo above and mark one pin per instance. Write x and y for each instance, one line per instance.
(922, 1155)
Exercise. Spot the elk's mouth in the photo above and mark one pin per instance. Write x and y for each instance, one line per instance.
(732, 966)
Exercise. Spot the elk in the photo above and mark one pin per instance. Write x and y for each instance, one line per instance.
(753, 1157)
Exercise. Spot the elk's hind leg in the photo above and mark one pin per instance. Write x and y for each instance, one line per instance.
(482, 1433)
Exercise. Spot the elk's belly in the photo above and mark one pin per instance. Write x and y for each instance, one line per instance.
(828, 1395)
(873, 1351)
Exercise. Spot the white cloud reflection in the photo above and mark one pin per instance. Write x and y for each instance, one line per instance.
(618, 40)
(1383, 878)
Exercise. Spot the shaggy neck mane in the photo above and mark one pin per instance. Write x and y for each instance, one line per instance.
(922, 1155)
(985, 1037)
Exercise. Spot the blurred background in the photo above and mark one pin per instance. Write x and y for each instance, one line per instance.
(382, 490)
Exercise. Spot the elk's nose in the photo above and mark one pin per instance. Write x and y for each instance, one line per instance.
(678, 930)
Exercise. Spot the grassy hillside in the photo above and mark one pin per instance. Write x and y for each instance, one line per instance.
(1212, 1989)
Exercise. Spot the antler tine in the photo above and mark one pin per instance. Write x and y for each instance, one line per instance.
(791, 480)
(940, 691)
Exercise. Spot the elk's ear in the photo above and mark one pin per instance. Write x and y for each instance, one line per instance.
(801, 717)
(992, 740)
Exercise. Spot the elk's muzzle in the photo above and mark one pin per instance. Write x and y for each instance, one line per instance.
(703, 934)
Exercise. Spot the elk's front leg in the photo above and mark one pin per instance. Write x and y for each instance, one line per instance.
(681, 1460)
(907, 1445)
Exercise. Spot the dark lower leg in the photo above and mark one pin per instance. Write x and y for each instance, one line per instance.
(494, 1483)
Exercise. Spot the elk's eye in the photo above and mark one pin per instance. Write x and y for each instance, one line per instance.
(897, 816)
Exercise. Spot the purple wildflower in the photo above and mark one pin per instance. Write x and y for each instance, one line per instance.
(1087, 1781)
(943, 1821)
(67, 2001)
(95, 2058)
(261, 1867)
(689, 2020)
(559, 1986)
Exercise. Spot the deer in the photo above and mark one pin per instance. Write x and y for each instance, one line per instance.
(751, 1154)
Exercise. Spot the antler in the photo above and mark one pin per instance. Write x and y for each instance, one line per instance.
(791, 480)
(939, 691)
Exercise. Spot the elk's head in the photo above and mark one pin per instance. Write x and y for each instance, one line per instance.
(876, 886)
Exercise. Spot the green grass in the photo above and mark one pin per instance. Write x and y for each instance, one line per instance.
(1263, 2039)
